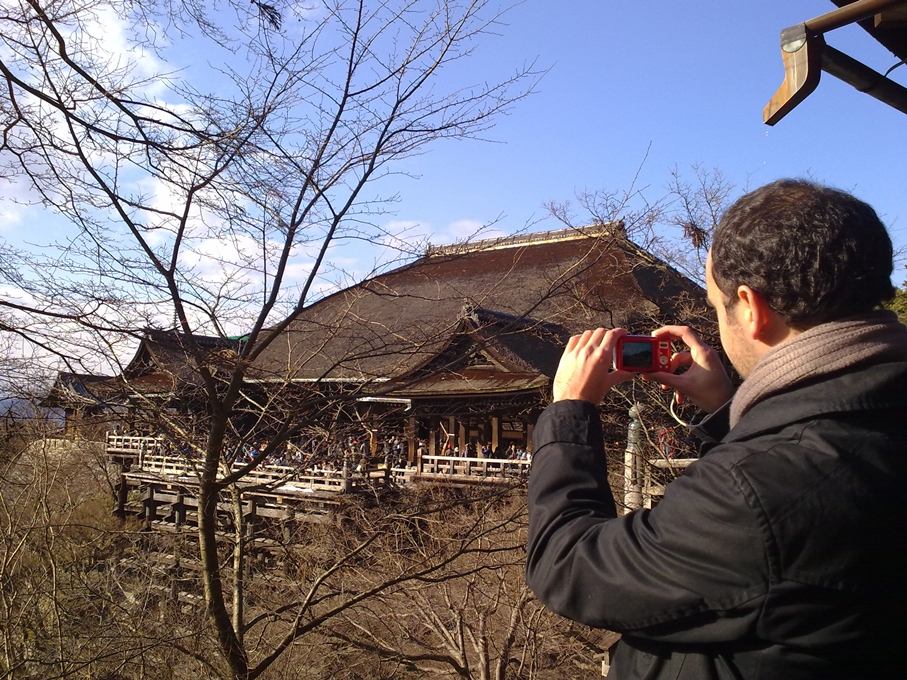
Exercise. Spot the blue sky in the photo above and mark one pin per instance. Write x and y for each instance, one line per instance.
(683, 82)
(655, 84)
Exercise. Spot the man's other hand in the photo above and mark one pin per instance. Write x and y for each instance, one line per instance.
(705, 382)
(585, 368)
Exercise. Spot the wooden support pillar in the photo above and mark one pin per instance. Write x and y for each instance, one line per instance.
(250, 516)
(495, 434)
(179, 510)
(462, 440)
(409, 433)
(529, 428)
(122, 495)
(451, 434)
(432, 442)
(347, 482)
(150, 508)
(176, 574)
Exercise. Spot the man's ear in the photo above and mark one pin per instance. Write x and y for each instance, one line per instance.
(759, 321)
(754, 314)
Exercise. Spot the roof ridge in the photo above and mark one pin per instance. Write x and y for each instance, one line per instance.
(178, 337)
(615, 228)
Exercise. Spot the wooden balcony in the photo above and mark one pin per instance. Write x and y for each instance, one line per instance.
(145, 458)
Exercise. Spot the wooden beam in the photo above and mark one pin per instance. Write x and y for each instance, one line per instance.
(848, 14)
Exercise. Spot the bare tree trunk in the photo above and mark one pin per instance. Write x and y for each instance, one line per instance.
(239, 561)
(227, 639)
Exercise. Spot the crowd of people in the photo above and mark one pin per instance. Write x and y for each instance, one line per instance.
(473, 450)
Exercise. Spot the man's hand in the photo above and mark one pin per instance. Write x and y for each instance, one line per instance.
(705, 382)
(584, 371)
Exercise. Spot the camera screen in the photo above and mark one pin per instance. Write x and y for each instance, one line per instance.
(636, 354)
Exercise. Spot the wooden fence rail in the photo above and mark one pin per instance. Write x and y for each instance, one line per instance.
(146, 455)
(473, 467)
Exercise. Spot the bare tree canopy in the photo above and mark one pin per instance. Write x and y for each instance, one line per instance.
(193, 166)
(207, 159)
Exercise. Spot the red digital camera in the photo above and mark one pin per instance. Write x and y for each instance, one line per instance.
(642, 354)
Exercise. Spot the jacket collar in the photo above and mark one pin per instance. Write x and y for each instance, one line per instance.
(875, 387)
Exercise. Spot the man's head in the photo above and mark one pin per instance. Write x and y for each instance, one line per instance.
(813, 254)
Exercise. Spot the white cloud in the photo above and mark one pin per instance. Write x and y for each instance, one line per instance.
(110, 32)
(298, 272)
(464, 230)
(10, 217)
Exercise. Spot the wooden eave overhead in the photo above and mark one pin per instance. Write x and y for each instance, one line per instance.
(806, 55)
(474, 382)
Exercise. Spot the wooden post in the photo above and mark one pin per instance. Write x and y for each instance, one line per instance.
(175, 574)
(122, 494)
(409, 433)
(179, 510)
(451, 435)
(150, 506)
(347, 482)
(286, 525)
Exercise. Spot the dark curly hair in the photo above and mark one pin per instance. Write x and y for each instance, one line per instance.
(815, 254)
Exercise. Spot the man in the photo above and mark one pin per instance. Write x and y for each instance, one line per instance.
(782, 552)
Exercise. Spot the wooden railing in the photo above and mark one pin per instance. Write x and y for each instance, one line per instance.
(281, 476)
(653, 490)
(119, 444)
(474, 467)
(148, 458)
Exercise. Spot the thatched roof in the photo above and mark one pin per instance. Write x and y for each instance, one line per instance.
(395, 325)
(161, 367)
(163, 361)
(78, 389)
(490, 353)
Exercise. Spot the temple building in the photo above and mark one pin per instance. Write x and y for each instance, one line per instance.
(454, 351)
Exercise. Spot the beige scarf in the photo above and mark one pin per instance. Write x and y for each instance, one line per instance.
(819, 351)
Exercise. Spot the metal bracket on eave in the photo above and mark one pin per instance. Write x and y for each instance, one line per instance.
(802, 56)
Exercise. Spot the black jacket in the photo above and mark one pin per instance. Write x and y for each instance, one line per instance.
(781, 554)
